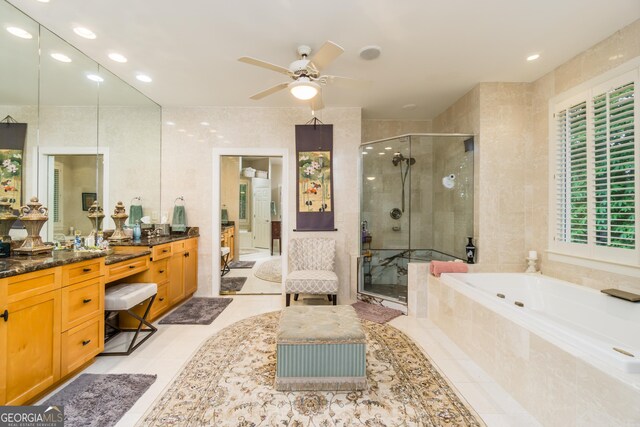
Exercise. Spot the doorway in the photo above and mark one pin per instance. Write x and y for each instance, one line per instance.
(251, 214)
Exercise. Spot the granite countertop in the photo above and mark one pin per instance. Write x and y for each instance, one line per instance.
(20, 264)
(154, 241)
(120, 257)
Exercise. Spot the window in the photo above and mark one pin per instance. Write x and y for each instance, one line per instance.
(595, 179)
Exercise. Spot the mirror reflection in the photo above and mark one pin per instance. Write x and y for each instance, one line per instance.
(88, 134)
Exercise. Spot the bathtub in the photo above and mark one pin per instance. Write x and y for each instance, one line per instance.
(601, 329)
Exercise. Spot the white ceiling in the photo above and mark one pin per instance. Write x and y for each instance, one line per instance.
(432, 51)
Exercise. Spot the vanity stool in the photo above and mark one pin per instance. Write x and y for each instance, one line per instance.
(124, 297)
(224, 254)
(320, 348)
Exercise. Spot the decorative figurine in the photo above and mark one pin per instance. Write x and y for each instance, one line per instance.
(33, 216)
(119, 218)
(96, 215)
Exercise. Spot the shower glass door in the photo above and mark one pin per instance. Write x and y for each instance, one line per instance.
(416, 206)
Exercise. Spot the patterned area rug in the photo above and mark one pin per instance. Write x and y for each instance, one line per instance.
(242, 264)
(270, 271)
(99, 400)
(197, 311)
(375, 313)
(229, 381)
(231, 285)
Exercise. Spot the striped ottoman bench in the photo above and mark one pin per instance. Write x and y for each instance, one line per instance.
(320, 348)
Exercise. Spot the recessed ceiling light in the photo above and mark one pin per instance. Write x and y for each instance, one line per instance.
(204, 123)
(19, 32)
(388, 148)
(533, 57)
(369, 148)
(213, 131)
(409, 107)
(364, 152)
(144, 78)
(170, 123)
(370, 52)
(60, 57)
(84, 32)
(95, 78)
(114, 56)
(371, 178)
(381, 153)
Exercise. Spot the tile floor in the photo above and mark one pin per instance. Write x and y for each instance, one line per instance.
(169, 349)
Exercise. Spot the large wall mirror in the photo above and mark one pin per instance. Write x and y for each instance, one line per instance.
(90, 136)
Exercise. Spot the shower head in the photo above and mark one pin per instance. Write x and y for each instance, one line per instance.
(411, 160)
(397, 158)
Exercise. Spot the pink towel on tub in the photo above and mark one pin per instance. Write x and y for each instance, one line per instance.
(438, 267)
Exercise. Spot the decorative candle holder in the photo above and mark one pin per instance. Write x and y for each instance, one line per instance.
(33, 216)
(7, 218)
(119, 218)
(532, 268)
(96, 215)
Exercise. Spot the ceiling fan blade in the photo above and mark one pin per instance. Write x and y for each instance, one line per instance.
(346, 82)
(264, 64)
(269, 91)
(316, 102)
(326, 54)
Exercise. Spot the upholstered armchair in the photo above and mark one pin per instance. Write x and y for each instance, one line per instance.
(311, 268)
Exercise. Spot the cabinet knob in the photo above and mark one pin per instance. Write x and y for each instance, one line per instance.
(86, 270)
(161, 271)
(132, 266)
(86, 300)
(165, 250)
(85, 342)
(186, 254)
(5, 315)
(161, 299)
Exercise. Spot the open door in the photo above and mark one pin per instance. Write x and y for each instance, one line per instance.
(261, 213)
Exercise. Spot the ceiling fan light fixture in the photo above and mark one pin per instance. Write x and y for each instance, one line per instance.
(304, 88)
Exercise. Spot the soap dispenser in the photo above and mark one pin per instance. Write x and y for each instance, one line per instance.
(137, 231)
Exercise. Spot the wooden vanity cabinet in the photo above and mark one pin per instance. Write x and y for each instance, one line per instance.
(49, 314)
(227, 238)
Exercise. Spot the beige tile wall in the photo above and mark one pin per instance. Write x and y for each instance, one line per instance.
(374, 129)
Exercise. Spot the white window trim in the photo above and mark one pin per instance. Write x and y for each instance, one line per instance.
(619, 261)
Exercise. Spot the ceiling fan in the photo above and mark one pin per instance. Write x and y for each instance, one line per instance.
(305, 73)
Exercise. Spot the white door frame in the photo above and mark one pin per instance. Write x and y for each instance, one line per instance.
(216, 205)
(43, 175)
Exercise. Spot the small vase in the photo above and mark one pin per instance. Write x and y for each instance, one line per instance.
(471, 251)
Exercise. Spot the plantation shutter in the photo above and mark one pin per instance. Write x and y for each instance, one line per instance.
(571, 175)
(614, 162)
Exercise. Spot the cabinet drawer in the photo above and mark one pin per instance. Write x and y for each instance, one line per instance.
(82, 343)
(159, 271)
(127, 268)
(161, 302)
(178, 246)
(191, 243)
(81, 302)
(32, 284)
(81, 271)
(161, 251)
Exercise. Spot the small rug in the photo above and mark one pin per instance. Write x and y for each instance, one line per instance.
(99, 400)
(270, 271)
(242, 264)
(197, 311)
(231, 284)
(229, 381)
(375, 313)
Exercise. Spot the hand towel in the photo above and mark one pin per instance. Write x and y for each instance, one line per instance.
(438, 267)
(135, 213)
(179, 220)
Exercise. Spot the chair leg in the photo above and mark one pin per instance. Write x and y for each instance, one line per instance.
(225, 267)
(295, 297)
(335, 299)
(288, 298)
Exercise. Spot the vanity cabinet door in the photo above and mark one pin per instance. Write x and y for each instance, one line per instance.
(176, 277)
(30, 350)
(191, 271)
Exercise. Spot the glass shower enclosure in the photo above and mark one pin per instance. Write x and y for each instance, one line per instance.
(416, 206)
